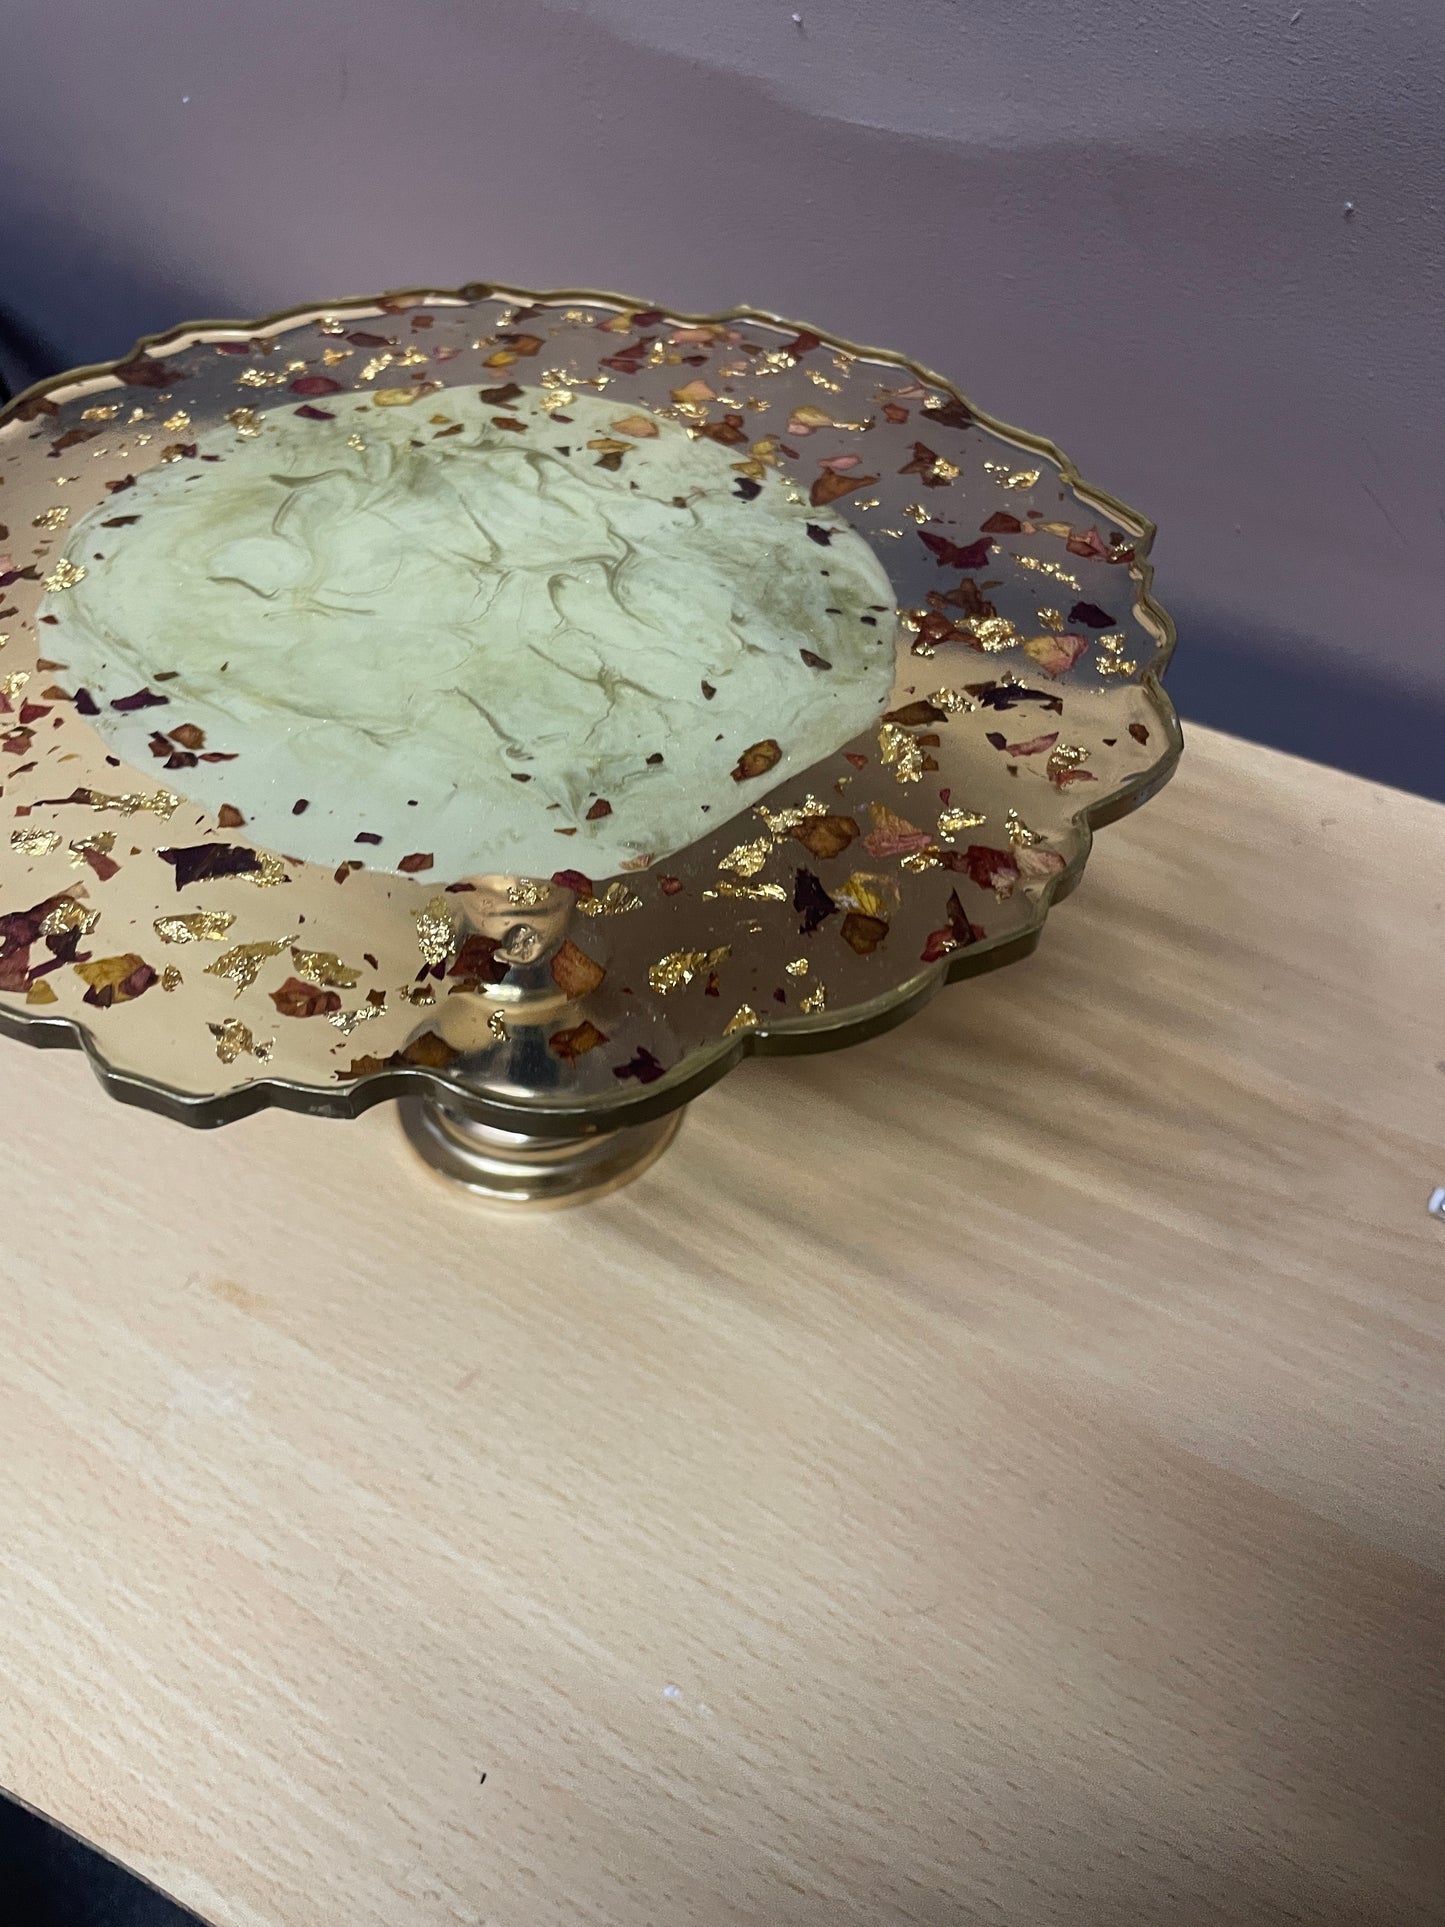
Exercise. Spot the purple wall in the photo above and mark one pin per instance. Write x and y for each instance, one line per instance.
(1200, 246)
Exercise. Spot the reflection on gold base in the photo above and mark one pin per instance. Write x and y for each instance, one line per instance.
(544, 1173)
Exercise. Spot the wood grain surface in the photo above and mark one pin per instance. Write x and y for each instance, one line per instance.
(991, 1475)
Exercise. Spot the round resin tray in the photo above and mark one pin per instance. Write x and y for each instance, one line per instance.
(524, 819)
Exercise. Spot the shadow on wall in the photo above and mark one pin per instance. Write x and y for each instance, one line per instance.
(1257, 685)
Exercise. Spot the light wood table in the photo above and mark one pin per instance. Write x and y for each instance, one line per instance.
(1032, 1518)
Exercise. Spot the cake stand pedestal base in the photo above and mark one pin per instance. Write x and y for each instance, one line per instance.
(542, 1173)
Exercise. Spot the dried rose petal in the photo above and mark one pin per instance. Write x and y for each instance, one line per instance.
(863, 933)
(830, 486)
(757, 760)
(825, 836)
(577, 1041)
(574, 972)
(298, 999)
(418, 860)
(950, 555)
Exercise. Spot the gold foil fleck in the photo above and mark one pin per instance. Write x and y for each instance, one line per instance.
(325, 969)
(799, 967)
(957, 702)
(175, 451)
(497, 1025)
(951, 821)
(171, 978)
(331, 324)
(1041, 567)
(102, 843)
(330, 357)
(55, 518)
(233, 1040)
(246, 422)
(1021, 478)
(616, 900)
(820, 380)
(65, 575)
(175, 423)
(162, 803)
(243, 965)
(271, 872)
(900, 752)
(420, 994)
(781, 822)
(916, 512)
(926, 859)
(70, 915)
(679, 967)
(102, 412)
(747, 858)
(749, 892)
(374, 367)
(1019, 833)
(346, 1020)
(815, 1001)
(35, 842)
(527, 892)
(1116, 665)
(1052, 619)
(11, 685)
(260, 378)
(434, 931)
(993, 634)
(743, 1018)
(355, 441)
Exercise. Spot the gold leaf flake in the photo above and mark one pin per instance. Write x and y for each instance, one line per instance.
(782, 822)
(346, 1020)
(527, 893)
(1116, 665)
(331, 356)
(434, 934)
(916, 512)
(102, 843)
(355, 441)
(65, 575)
(233, 1040)
(102, 412)
(925, 859)
(955, 701)
(497, 1025)
(175, 423)
(799, 967)
(162, 803)
(331, 324)
(951, 821)
(11, 685)
(324, 968)
(171, 978)
(70, 915)
(246, 422)
(35, 842)
(374, 367)
(260, 378)
(900, 752)
(1052, 619)
(820, 380)
(616, 900)
(55, 518)
(1019, 833)
(1011, 478)
(681, 966)
(242, 965)
(816, 1001)
(743, 1018)
(1042, 567)
(271, 872)
(750, 892)
(993, 634)
(748, 858)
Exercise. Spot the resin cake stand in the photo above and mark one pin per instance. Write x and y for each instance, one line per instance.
(544, 1032)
